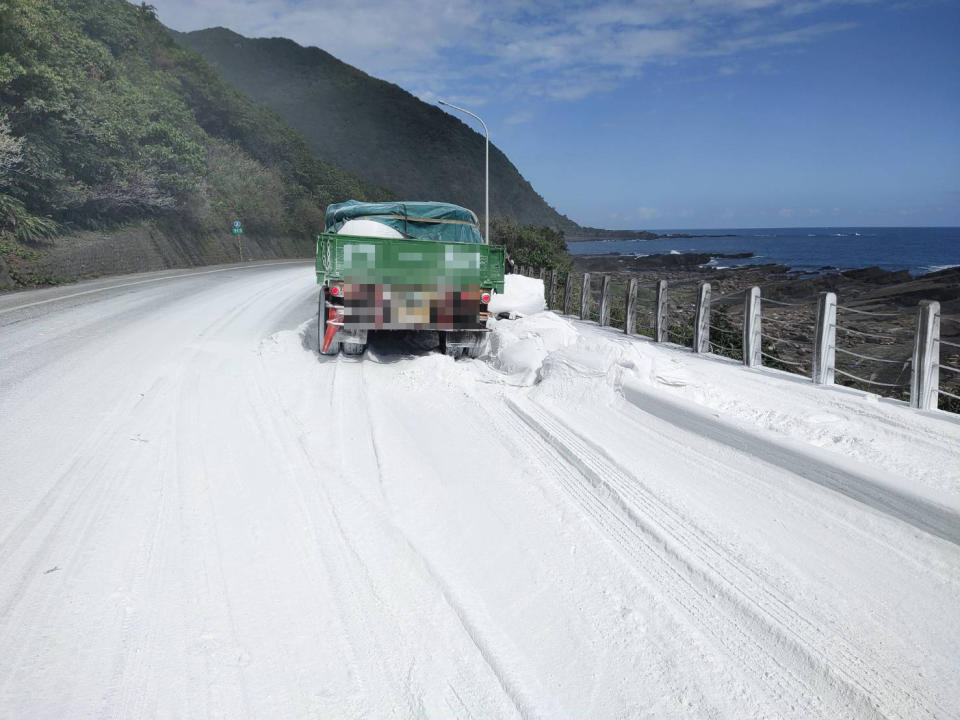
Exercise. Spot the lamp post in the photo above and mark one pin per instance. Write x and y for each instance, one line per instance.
(486, 170)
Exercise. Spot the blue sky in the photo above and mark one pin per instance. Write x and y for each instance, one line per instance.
(673, 113)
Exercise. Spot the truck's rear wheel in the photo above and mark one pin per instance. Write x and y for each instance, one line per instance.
(461, 343)
(474, 351)
(353, 349)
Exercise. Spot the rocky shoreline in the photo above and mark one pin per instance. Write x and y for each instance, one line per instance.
(873, 286)
(597, 235)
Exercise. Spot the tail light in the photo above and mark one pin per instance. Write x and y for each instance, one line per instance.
(336, 290)
(485, 297)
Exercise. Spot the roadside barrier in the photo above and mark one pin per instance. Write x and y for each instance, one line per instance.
(814, 337)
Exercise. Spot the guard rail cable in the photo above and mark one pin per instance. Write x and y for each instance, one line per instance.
(676, 330)
(868, 312)
(838, 371)
(775, 339)
(784, 323)
(799, 364)
(905, 363)
(865, 334)
(735, 331)
(781, 360)
(731, 296)
(789, 304)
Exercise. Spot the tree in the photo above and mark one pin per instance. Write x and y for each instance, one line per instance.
(533, 245)
(11, 150)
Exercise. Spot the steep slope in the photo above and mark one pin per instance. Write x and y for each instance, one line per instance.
(373, 128)
(105, 121)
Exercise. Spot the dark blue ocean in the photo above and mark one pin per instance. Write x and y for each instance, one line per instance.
(919, 250)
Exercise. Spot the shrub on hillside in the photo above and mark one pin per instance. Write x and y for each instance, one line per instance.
(535, 246)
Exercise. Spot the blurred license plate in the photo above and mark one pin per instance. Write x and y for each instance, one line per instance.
(411, 307)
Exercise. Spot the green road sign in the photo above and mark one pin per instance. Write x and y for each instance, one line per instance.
(238, 231)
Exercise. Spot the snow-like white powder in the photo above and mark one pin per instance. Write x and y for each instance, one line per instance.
(368, 228)
(200, 517)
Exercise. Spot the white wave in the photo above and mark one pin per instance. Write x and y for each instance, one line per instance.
(925, 269)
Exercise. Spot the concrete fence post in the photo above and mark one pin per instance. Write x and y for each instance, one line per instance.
(701, 321)
(551, 288)
(542, 271)
(751, 329)
(605, 301)
(660, 313)
(567, 293)
(630, 319)
(925, 373)
(585, 298)
(825, 339)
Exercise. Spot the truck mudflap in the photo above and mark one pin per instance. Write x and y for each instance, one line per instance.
(334, 321)
(334, 332)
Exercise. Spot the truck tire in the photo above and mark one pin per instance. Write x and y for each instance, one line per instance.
(353, 349)
(473, 351)
(461, 344)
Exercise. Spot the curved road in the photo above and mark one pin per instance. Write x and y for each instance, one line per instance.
(200, 517)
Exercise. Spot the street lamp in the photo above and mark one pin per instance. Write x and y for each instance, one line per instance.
(486, 170)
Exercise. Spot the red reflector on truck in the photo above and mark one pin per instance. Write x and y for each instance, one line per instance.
(485, 297)
(336, 290)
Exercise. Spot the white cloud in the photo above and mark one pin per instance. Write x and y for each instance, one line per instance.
(786, 37)
(786, 212)
(647, 213)
(518, 118)
(563, 50)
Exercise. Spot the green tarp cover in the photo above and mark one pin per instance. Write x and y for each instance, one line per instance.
(440, 222)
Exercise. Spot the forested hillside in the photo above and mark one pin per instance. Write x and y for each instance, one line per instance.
(373, 128)
(105, 120)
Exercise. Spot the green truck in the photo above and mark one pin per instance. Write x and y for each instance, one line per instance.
(402, 266)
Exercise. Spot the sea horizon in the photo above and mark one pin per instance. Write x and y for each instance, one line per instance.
(783, 227)
(919, 250)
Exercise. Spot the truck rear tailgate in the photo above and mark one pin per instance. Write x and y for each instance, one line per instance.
(398, 284)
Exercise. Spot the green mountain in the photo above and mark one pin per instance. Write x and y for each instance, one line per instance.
(372, 128)
(106, 121)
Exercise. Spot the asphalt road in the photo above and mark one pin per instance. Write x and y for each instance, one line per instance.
(200, 517)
